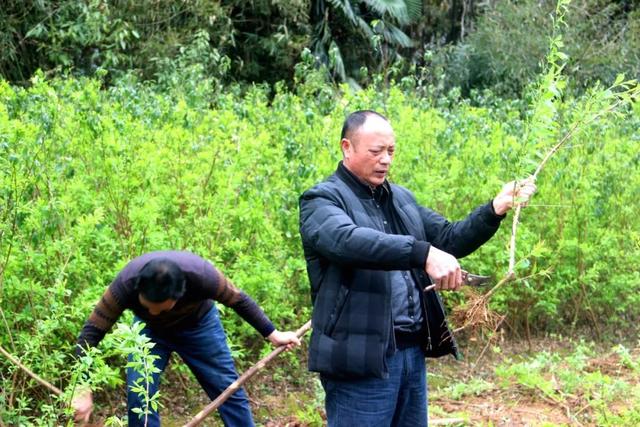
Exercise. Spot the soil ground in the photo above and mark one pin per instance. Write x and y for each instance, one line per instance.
(280, 401)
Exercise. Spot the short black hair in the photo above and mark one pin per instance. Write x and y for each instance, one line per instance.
(356, 119)
(161, 279)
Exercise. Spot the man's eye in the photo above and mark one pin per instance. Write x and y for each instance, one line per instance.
(375, 152)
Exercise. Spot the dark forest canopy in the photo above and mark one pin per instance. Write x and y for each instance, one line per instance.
(456, 43)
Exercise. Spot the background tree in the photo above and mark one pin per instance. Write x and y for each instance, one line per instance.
(506, 50)
(494, 44)
(351, 34)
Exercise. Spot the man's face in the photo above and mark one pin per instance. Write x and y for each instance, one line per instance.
(368, 152)
(156, 308)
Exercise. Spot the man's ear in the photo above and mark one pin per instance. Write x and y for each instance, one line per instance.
(345, 145)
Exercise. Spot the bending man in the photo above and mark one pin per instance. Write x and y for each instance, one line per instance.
(172, 293)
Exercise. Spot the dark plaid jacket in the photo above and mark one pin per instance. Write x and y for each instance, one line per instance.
(348, 257)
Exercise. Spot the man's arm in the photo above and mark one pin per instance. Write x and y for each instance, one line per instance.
(460, 238)
(327, 229)
(222, 290)
(104, 315)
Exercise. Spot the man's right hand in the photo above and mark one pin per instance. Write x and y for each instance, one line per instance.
(82, 403)
(444, 270)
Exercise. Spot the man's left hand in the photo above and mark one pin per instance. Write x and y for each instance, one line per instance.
(512, 193)
(287, 338)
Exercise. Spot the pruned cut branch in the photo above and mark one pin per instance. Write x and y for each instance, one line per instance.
(235, 386)
(476, 312)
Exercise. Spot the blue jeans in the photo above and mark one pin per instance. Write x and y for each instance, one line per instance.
(400, 400)
(204, 349)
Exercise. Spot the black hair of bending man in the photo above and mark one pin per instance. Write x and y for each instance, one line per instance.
(161, 279)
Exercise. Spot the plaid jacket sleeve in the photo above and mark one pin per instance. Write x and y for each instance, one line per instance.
(327, 229)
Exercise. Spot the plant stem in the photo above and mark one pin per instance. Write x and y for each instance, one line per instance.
(16, 362)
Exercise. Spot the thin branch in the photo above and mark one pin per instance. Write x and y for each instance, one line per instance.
(16, 362)
(6, 325)
(495, 330)
(516, 216)
(238, 383)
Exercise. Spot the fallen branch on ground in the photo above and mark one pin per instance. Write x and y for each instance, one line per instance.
(29, 372)
(243, 378)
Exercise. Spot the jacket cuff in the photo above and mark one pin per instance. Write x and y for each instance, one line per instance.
(490, 215)
(267, 330)
(419, 254)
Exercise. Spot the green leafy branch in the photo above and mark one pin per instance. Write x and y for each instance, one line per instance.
(138, 346)
(542, 130)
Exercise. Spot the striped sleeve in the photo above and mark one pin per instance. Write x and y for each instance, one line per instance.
(229, 295)
(104, 315)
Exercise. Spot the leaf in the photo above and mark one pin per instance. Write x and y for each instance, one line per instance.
(414, 9)
(393, 35)
(345, 7)
(36, 31)
(396, 9)
(335, 59)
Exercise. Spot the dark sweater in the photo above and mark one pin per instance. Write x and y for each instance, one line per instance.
(204, 283)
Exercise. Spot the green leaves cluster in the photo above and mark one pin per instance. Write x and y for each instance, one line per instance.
(92, 177)
(137, 346)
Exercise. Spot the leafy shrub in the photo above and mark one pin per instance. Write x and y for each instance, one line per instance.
(93, 177)
(507, 49)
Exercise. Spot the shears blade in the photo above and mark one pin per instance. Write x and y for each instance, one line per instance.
(469, 279)
(474, 279)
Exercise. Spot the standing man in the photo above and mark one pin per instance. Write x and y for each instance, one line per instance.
(370, 252)
(172, 293)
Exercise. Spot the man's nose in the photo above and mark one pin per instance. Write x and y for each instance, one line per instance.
(385, 158)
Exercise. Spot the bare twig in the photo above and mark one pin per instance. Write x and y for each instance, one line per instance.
(29, 372)
(238, 383)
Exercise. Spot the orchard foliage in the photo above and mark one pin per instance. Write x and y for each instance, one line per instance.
(92, 177)
(470, 44)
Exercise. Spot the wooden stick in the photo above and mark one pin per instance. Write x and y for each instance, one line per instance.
(238, 383)
(16, 362)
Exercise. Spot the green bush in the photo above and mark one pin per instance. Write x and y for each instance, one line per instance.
(93, 177)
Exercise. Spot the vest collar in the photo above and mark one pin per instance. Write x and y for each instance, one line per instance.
(360, 188)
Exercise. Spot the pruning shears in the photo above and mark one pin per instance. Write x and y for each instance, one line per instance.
(469, 279)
